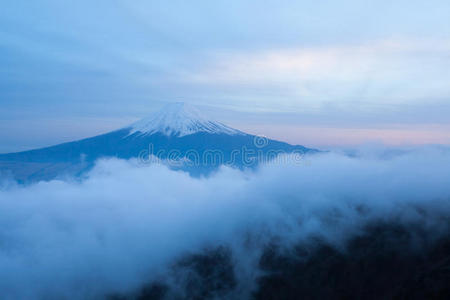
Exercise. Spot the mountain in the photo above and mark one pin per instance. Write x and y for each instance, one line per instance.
(179, 135)
(180, 119)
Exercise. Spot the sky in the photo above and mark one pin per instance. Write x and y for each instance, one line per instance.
(316, 73)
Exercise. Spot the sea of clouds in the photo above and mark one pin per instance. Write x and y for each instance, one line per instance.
(126, 222)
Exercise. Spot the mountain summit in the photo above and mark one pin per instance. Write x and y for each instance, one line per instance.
(179, 132)
(180, 119)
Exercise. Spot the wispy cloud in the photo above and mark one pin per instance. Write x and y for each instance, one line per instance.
(392, 72)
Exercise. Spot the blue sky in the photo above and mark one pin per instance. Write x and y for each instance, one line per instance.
(319, 73)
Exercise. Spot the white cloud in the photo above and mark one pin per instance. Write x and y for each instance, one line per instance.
(125, 222)
(389, 71)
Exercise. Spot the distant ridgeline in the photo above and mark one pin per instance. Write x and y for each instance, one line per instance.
(178, 136)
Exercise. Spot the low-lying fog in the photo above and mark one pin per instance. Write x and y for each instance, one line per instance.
(125, 223)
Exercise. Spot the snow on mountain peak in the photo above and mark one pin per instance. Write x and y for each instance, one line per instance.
(180, 119)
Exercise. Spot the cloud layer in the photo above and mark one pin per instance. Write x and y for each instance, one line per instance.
(126, 222)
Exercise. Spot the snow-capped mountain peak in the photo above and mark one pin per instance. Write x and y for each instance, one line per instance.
(180, 119)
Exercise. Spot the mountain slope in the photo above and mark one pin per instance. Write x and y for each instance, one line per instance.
(178, 133)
